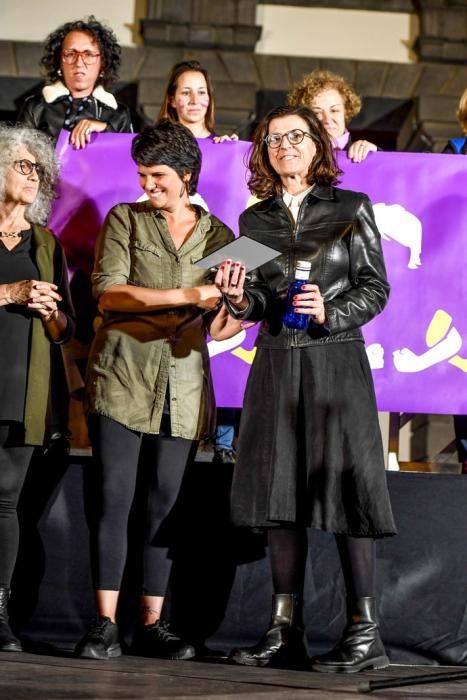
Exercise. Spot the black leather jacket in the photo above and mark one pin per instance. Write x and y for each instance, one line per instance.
(337, 233)
(49, 116)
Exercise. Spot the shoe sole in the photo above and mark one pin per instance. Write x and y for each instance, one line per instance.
(12, 648)
(373, 664)
(111, 653)
(184, 656)
(271, 663)
(250, 662)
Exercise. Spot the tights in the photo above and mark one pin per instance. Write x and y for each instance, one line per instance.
(123, 456)
(288, 551)
(14, 462)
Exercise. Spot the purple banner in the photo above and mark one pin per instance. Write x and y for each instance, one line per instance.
(417, 347)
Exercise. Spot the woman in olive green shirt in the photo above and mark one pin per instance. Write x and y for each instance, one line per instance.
(148, 379)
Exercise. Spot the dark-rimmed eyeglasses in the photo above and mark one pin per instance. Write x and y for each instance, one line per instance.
(71, 56)
(25, 167)
(294, 137)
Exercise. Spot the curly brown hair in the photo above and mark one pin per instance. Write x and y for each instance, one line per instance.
(263, 180)
(312, 84)
(169, 112)
(103, 36)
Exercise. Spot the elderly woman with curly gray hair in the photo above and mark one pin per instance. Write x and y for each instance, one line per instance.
(36, 315)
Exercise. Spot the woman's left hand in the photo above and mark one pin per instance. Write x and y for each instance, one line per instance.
(44, 300)
(310, 302)
(81, 134)
(230, 279)
(225, 137)
(359, 150)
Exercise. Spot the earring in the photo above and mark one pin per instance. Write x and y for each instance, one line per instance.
(59, 72)
(102, 74)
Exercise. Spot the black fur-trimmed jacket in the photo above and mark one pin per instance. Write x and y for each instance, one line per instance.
(46, 112)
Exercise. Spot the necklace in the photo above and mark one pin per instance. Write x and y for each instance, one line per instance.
(12, 234)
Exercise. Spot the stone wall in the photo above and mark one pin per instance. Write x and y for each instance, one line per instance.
(434, 87)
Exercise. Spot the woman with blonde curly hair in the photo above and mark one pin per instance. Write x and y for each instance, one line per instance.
(335, 103)
(459, 144)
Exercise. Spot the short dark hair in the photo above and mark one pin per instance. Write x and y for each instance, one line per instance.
(172, 144)
(169, 112)
(103, 36)
(263, 180)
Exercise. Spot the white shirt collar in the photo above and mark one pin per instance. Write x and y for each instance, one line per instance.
(293, 201)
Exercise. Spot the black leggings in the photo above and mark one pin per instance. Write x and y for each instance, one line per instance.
(15, 458)
(122, 457)
(288, 552)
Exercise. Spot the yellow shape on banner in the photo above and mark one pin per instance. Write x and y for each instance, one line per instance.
(437, 330)
(245, 355)
(459, 362)
(439, 326)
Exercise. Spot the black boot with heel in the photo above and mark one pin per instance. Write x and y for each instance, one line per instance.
(284, 644)
(8, 641)
(360, 647)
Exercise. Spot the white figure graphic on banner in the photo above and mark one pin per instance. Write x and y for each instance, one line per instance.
(396, 223)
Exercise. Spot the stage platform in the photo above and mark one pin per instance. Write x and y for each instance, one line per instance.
(35, 677)
(221, 586)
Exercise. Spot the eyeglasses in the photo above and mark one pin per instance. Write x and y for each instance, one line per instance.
(71, 56)
(294, 137)
(25, 167)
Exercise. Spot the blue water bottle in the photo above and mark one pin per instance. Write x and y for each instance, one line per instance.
(290, 318)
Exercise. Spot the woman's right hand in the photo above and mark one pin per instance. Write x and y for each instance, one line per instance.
(359, 150)
(80, 137)
(230, 279)
(25, 291)
(209, 297)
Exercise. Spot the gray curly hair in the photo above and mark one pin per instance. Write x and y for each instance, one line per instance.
(12, 138)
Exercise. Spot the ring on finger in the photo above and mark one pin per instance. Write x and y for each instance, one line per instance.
(87, 131)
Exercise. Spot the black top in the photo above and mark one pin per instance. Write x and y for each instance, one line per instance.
(15, 328)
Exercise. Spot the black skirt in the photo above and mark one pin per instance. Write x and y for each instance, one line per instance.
(310, 450)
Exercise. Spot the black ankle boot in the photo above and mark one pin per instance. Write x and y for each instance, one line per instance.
(8, 641)
(360, 647)
(283, 645)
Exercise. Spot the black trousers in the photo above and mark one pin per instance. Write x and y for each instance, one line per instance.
(15, 458)
(124, 460)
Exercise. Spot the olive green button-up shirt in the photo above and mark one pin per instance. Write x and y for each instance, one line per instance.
(139, 358)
